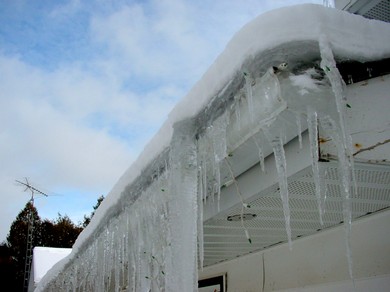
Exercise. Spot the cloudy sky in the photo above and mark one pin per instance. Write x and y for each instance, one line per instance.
(85, 84)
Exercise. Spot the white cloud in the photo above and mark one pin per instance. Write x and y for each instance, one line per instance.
(44, 133)
(68, 8)
(72, 127)
(162, 44)
(79, 124)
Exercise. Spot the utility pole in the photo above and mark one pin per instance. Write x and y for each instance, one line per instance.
(30, 232)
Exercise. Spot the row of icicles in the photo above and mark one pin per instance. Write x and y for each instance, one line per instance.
(336, 132)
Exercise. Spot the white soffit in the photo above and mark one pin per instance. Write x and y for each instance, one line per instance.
(224, 236)
(373, 9)
(225, 240)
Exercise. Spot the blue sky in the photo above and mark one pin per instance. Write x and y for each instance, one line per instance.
(85, 85)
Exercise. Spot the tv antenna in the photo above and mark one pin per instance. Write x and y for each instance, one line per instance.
(30, 230)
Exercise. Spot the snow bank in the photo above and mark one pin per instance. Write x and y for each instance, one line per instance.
(350, 37)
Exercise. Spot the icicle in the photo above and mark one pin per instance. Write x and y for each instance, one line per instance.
(217, 135)
(217, 184)
(342, 140)
(280, 160)
(328, 3)
(299, 128)
(117, 268)
(217, 175)
(74, 284)
(332, 130)
(200, 181)
(261, 155)
(200, 232)
(204, 180)
(166, 169)
(249, 94)
(312, 124)
(329, 66)
(125, 264)
(212, 191)
(132, 271)
(237, 111)
(182, 271)
(323, 188)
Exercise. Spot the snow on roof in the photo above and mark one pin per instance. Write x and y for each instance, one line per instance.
(44, 258)
(351, 37)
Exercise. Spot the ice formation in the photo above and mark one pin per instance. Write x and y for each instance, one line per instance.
(147, 235)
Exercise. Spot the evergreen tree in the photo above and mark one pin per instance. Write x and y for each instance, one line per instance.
(61, 232)
(7, 269)
(65, 232)
(48, 229)
(17, 239)
(87, 219)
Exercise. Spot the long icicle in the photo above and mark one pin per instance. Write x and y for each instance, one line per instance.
(280, 160)
(312, 124)
(261, 155)
(299, 128)
(249, 94)
(345, 156)
(331, 128)
(201, 200)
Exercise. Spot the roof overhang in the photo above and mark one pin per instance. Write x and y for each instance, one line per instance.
(373, 9)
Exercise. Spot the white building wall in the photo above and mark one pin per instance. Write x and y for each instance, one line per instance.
(316, 263)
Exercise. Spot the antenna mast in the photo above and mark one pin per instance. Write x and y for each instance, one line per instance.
(30, 231)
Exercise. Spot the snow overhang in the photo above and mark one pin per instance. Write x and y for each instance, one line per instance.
(294, 39)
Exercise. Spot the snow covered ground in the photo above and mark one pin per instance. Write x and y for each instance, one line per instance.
(144, 235)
